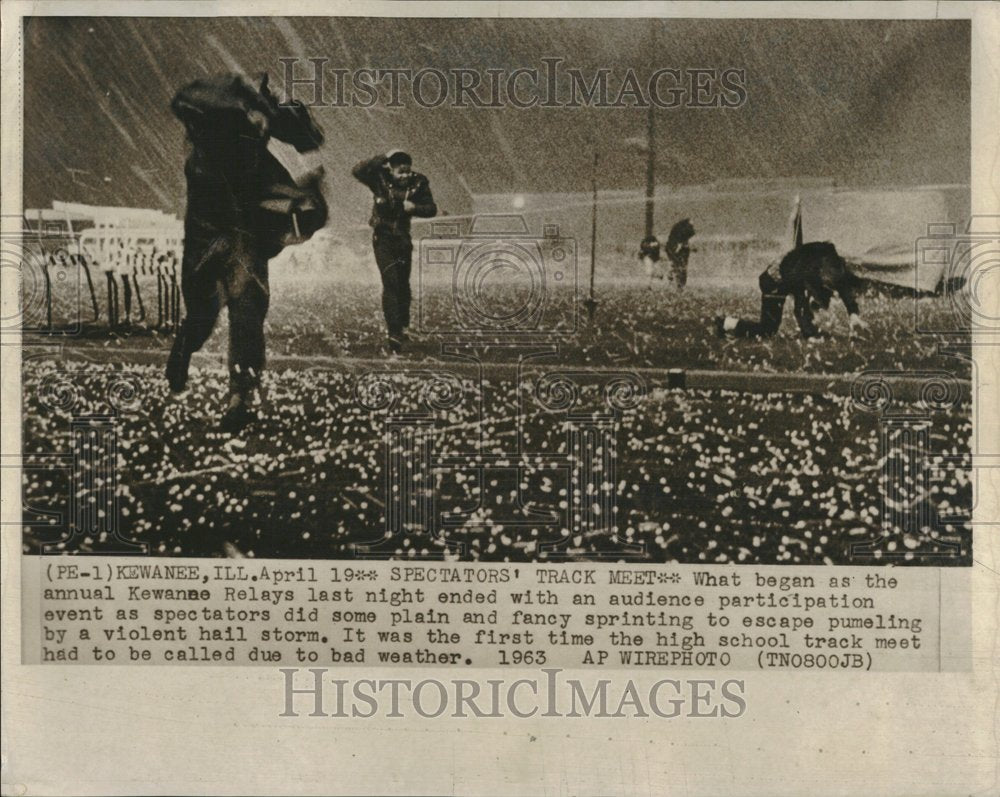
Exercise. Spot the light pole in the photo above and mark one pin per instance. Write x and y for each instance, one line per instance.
(650, 145)
(590, 302)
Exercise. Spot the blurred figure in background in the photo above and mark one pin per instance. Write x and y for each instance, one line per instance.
(124, 262)
(398, 194)
(111, 255)
(678, 251)
(649, 256)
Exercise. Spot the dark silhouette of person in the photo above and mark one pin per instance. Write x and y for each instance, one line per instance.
(649, 256)
(243, 207)
(811, 274)
(678, 251)
(398, 193)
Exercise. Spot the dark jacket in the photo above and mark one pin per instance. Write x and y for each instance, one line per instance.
(234, 182)
(812, 274)
(388, 215)
(677, 248)
(650, 247)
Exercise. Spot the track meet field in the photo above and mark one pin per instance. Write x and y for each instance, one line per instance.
(697, 475)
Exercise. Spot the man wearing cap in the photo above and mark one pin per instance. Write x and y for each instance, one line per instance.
(399, 193)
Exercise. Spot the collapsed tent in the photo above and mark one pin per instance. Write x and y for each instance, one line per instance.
(909, 237)
(896, 264)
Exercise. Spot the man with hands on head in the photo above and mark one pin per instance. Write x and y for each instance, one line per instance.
(399, 193)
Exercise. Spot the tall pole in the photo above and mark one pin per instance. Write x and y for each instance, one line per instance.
(650, 144)
(591, 302)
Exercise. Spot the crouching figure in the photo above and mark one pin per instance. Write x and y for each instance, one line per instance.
(811, 274)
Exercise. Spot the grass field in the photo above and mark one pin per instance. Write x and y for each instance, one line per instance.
(698, 476)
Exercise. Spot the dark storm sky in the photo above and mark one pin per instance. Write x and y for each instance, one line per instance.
(864, 102)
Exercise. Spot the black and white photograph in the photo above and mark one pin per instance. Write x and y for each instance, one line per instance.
(495, 398)
(497, 290)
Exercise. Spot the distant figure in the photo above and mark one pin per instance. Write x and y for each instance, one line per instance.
(398, 193)
(649, 256)
(124, 265)
(678, 251)
(811, 274)
(243, 208)
(113, 253)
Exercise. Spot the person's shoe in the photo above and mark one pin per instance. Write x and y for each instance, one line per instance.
(237, 417)
(720, 326)
(395, 344)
